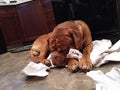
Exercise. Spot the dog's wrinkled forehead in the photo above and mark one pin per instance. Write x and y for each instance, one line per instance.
(60, 40)
(61, 32)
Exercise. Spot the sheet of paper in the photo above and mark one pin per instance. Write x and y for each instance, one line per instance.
(33, 69)
(108, 81)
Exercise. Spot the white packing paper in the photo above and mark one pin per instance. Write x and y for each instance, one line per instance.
(103, 52)
(108, 81)
(33, 69)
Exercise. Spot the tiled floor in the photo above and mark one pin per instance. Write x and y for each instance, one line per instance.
(11, 65)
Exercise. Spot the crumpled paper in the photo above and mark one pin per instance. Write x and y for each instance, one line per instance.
(108, 81)
(33, 69)
(73, 53)
(103, 52)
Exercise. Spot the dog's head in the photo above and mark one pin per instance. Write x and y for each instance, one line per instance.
(60, 42)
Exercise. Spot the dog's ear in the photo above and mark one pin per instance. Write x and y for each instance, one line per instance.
(77, 37)
(51, 44)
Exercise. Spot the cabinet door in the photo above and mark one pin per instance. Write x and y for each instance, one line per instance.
(10, 29)
(48, 12)
(32, 19)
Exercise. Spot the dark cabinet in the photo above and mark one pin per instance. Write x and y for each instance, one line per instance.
(49, 13)
(2, 44)
(10, 26)
(23, 22)
(33, 20)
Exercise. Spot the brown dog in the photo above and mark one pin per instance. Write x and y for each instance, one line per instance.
(69, 34)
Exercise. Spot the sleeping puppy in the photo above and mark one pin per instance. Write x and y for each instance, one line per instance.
(69, 34)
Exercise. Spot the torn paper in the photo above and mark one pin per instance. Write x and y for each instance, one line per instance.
(108, 81)
(103, 52)
(33, 69)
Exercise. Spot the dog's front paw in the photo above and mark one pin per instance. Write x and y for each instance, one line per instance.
(46, 62)
(73, 65)
(85, 65)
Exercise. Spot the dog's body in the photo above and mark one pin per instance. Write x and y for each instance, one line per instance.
(69, 34)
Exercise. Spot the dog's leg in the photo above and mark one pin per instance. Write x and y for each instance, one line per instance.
(39, 53)
(85, 63)
(73, 65)
(39, 57)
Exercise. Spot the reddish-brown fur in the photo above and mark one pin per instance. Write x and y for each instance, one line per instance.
(65, 36)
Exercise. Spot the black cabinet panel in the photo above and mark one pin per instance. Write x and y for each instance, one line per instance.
(2, 44)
